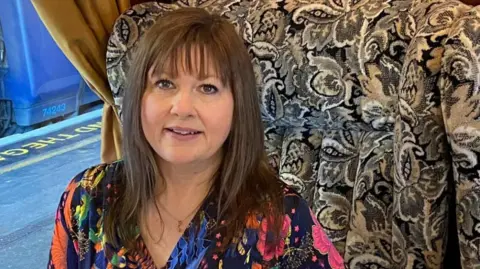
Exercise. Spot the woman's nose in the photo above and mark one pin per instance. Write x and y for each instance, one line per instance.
(182, 104)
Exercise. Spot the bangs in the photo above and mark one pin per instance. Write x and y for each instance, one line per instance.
(201, 57)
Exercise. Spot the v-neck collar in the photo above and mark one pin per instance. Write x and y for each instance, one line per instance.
(192, 246)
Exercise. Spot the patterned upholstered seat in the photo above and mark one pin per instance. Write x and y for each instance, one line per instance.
(370, 111)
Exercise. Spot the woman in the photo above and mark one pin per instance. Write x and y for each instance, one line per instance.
(194, 189)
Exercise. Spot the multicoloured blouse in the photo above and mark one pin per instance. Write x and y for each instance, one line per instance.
(79, 241)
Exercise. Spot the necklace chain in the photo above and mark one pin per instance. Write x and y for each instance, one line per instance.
(181, 221)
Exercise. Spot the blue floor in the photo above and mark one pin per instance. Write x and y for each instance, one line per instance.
(34, 170)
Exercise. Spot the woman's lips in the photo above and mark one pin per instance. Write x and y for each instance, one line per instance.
(183, 134)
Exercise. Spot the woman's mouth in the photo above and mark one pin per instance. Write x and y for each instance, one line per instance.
(183, 133)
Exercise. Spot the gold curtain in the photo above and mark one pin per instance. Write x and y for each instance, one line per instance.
(81, 29)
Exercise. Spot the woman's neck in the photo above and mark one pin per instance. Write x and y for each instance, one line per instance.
(186, 185)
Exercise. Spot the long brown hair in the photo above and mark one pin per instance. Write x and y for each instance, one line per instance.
(244, 183)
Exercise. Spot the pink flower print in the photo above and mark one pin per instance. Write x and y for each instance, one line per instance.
(322, 243)
(269, 251)
(76, 246)
(287, 223)
(320, 239)
(335, 260)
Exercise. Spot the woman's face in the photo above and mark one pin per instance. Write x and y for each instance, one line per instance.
(186, 119)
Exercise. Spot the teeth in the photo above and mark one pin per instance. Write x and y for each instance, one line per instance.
(183, 132)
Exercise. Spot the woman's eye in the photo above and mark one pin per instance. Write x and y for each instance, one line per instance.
(209, 89)
(164, 84)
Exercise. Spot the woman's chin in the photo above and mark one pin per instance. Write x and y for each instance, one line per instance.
(180, 160)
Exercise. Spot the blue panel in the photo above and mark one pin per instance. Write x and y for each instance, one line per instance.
(40, 81)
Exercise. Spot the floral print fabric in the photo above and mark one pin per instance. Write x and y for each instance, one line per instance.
(79, 241)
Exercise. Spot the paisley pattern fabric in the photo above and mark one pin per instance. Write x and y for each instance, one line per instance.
(79, 240)
(460, 93)
(370, 111)
(423, 185)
